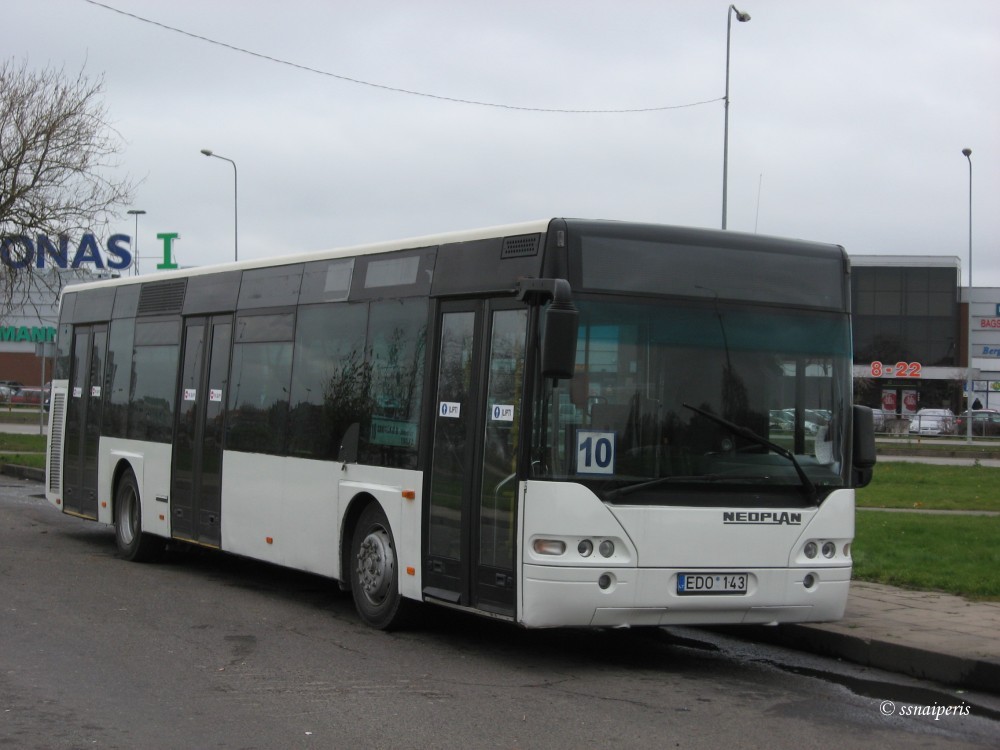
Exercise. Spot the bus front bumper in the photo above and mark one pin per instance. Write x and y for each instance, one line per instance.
(558, 596)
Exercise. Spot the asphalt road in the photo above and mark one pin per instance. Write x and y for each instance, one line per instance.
(212, 651)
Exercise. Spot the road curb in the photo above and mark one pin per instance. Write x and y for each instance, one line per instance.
(23, 472)
(970, 673)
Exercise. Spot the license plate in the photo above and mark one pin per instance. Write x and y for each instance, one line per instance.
(712, 583)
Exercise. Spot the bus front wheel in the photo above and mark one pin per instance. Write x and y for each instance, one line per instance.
(133, 544)
(375, 572)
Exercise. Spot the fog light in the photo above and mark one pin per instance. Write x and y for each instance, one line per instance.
(829, 549)
(809, 581)
(585, 548)
(605, 581)
(549, 546)
(810, 550)
(607, 548)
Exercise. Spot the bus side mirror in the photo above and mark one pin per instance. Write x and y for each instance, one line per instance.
(559, 340)
(863, 445)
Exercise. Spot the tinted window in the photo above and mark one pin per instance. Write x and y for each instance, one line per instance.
(397, 332)
(151, 410)
(402, 274)
(327, 281)
(261, 374)
(760, 273)
(270, 287)
(118, 376)
(331, 382)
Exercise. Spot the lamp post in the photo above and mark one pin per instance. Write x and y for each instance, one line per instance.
(742, 18)
(236, 202)
(136, 213)
(967, 152)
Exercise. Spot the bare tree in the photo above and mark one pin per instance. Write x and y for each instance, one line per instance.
(58, 155)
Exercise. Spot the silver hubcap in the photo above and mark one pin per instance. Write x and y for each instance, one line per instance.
(376, 564)
(127, 507)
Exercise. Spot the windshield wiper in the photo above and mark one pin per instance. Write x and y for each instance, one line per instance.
(753, 437)
(629, 489)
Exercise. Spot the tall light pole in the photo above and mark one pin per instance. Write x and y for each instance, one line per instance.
(236, 202)
(136, 212)
(742, 18)
(967, 152)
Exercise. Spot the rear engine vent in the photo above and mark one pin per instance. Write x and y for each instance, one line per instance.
(58, 406)
(520, 246)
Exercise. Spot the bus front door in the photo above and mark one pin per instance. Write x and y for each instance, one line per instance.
(473, 485)
(83, 420)
(196, 476)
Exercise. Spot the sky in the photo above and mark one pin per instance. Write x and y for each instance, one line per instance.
(356, 121)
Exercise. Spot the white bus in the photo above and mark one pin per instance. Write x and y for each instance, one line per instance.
(559, 423)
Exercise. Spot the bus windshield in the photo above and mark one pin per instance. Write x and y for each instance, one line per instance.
(699, 402)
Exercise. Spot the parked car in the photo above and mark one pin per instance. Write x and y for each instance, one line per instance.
(879, 417)
(933, 422)
(31, 396)
(985, 422)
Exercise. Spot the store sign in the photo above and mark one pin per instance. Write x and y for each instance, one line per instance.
(40, 335)
(897, 370)
(20, 251)
(989, 323)
(986, 350)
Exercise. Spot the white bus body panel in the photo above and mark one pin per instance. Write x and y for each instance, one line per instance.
(653, 544)
(150, 462)
(289, 511)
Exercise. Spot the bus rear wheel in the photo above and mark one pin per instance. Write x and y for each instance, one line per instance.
(133, 544)
(375, 572)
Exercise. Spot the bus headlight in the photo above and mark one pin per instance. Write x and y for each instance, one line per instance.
(585, 548)
(607, 548)
(829, 549)
(810, 550)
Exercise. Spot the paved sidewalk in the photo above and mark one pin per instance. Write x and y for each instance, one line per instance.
(924, 634)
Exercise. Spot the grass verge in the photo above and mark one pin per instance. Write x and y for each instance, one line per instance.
(22, 450)
(902, 484)
(956, 554)
(26, 443)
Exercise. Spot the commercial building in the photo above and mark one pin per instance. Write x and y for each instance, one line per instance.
(911, 332)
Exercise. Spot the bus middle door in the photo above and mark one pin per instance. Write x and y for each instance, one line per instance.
(196, 478)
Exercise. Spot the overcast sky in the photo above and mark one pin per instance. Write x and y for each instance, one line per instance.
(847, 119)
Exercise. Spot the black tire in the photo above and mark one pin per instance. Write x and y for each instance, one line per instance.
(133, 544)
(375, 572)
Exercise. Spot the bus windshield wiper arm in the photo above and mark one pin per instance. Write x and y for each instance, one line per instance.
(753, 437)
(629, 489)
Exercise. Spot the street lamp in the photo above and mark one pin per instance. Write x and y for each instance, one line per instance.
(136, 212)
(967, 152)
(236, 202)
(742, 18)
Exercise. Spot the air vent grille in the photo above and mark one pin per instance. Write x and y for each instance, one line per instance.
(162, 297)
(520, 246)
(58, 423)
